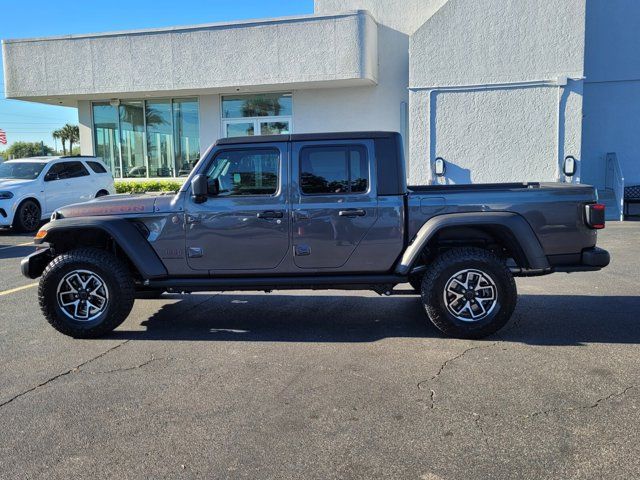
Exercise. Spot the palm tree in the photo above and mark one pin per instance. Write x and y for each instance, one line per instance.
(71, 133)
(60, 135)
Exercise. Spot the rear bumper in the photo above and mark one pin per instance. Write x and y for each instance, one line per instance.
(592, 259)
(33, 265)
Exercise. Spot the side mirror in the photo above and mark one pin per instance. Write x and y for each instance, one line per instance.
(440, 167)
(570, 166)
(199, 188)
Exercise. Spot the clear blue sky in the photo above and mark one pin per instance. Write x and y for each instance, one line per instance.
(25, 121)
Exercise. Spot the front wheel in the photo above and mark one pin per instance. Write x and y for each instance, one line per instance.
(469, 293)
(28, 217)
(86, 293)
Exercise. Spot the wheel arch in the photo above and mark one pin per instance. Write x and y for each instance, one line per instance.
(26, 198)
(110, 233)
(509, 230)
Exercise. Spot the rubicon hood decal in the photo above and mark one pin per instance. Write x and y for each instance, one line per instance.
(115, 206)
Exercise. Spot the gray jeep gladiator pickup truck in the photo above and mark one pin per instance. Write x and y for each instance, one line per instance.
(316, 211)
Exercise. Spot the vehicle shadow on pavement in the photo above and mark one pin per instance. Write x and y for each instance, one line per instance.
(10, 251)
(538, 320)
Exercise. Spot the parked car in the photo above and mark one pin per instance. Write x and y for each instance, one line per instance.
(31, 189)
(315, 212)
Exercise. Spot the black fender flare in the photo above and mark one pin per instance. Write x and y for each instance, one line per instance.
(514, 223)
(123, 232)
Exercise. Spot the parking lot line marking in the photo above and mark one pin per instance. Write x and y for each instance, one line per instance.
(18, 289)
(19, 245)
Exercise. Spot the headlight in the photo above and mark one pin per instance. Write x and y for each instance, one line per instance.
(6, 195)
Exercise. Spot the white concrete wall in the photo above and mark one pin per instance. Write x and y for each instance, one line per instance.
(403, 15)
(504, 126)
(361, 108)
(612, 89)
(287, 52)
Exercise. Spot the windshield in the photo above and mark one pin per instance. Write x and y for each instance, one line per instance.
(20, 170)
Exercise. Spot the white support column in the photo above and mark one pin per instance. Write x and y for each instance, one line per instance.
(210, 119)
(85, 120)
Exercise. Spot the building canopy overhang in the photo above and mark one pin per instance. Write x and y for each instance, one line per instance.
(314, 51)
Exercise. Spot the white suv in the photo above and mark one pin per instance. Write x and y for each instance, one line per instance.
(31, 189)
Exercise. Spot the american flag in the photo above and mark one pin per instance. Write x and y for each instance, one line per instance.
(3, 137)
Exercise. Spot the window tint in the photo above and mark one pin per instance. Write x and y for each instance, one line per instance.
(96, 167)
(75, 170)
(66, 170)
(334, 170)
(245, 172)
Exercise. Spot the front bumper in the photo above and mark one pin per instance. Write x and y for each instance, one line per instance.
(592, 260)
(33, 265)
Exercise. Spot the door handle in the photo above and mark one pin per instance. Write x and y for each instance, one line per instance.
(270, 215)
(353, 212)
(191, 219)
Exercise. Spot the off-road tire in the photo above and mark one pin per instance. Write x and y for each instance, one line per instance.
(439, 274)
(416, 282)
(110, 269)
(28, 208)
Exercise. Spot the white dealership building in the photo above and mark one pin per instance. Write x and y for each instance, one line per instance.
(502, 90)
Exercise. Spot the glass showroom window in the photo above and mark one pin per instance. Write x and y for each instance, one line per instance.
(160, 138)
(260, 114)
(148, 139)
(105, 121)
(187, 134)
(132, 148)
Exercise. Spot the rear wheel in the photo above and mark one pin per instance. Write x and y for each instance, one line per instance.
(469, 293)
(28, 216)
(86, 293)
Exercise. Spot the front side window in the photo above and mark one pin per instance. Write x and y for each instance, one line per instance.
(245, 172)
(334, 170)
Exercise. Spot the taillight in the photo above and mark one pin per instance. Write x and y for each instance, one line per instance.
(595, 216)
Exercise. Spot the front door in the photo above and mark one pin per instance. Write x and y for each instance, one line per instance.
(334, 204)
(244, 224)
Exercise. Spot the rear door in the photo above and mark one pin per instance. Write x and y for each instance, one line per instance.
(333, 199)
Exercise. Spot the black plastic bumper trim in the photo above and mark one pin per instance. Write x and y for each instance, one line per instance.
(33, 265)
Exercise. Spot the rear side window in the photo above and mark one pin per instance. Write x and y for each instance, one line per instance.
(334, 170)
(66, 170)
(96, 167)
(75, 170)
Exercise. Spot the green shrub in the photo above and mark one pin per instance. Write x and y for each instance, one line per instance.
(148, 186)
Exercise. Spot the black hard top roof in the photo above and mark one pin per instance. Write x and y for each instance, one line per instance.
(305, 137)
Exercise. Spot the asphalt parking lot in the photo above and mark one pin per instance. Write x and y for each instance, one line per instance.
(328, 385)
